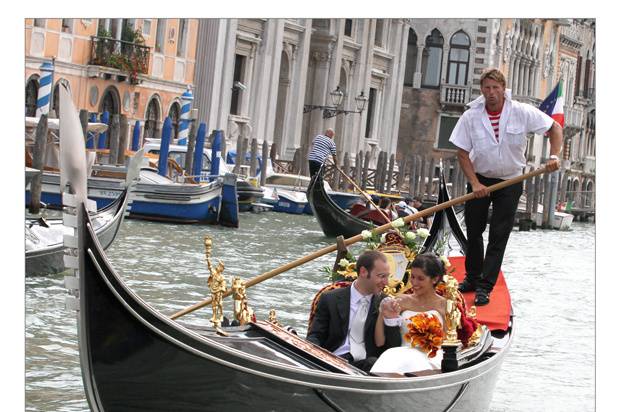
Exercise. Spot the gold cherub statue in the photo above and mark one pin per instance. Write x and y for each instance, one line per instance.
(273, 318)
(452, 312)
(242, 311)
(216, 283)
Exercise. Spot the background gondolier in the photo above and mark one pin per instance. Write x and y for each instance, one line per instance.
(322, 147)
(492, 138)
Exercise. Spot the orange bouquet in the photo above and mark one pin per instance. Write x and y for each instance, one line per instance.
(426, 333)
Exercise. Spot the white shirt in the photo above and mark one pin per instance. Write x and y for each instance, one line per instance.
(355, 297)
(503, 159)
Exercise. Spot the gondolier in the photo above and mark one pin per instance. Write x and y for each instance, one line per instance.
(322, 147)
(492, 137)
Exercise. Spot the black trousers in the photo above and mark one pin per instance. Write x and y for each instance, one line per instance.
(483, 271)
(363, 364)
(314, 167)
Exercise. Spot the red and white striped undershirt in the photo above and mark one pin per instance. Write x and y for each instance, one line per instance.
(494, 121)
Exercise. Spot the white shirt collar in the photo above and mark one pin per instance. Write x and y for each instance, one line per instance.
(356, 296)
(481, 100)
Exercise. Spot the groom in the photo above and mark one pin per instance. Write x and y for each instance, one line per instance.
(345, 318)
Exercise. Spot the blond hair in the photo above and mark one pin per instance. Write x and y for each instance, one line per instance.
(492, 74)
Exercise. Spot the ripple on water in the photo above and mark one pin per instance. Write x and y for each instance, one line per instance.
(550, 274)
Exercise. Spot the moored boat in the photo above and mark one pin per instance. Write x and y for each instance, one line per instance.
(333, 220)
(155, 197)
(44, 237)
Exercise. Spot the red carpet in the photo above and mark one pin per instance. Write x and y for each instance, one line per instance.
(496, 314)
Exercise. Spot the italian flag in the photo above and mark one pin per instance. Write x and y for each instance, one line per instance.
(553, 104)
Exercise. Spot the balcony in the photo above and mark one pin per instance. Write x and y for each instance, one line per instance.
(573, 120)
(455, 95)
(130, 58)
(589, 166)
(572, 35)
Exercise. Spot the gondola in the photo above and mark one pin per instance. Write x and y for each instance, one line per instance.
(44, 246)
(44, 237)
(335, 221)
(136, 358)
(445, 219)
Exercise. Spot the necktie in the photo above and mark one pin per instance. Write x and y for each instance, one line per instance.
(357, 341)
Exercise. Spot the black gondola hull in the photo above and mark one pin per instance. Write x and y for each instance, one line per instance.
(136, 359)
(333, 220)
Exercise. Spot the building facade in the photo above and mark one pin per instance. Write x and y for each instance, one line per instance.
(444, 61)
(577, 69)
(264, 78)
(402, 84)
(138, 68)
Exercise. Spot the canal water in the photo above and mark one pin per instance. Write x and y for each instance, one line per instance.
(550, 274)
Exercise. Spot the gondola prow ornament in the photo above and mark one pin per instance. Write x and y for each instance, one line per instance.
(216, 283)
(452, 313)
(242, 312)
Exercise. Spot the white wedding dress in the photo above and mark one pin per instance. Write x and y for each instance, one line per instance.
(406, 358)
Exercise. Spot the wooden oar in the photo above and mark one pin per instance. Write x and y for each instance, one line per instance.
(381, 229)
(366, 195)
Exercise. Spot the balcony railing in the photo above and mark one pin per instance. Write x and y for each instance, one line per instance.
(129, 57)
(573, 117)
(455, 95)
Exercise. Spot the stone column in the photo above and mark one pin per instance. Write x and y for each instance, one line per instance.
(527, 77)
(320, 93)
(531, 82)
(395, 83)
(513, 74)
(264, 91)
(536, 73)
(521, 80)
(299, 68)
(417, 75)
(249, 95)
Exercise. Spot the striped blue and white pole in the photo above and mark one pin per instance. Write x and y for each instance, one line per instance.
(45, 88)
(183, 128)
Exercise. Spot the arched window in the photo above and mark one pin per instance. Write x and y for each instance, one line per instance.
(152, 119)
(569, 196)
(32, 92)
(458, 67)
(175, 116)
(110, 102)
(56, 96)
(432, 60)
(589, 194)
(575, 187)
(411, 58)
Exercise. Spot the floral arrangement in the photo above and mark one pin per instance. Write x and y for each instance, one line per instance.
(412, 239)
(425, 332)
(344, 270)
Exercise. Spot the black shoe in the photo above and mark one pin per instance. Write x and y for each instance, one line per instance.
(481, 297)
(466, 286)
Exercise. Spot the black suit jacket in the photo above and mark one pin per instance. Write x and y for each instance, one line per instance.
(330, 325)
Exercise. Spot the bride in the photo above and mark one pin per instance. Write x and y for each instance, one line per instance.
(426, 272)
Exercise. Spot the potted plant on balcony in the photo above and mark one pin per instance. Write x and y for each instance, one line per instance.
(128, 55)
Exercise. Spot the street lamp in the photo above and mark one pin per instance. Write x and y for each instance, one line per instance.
(337, 96)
